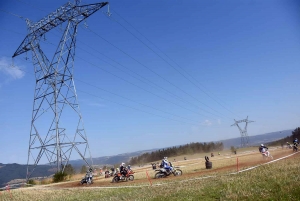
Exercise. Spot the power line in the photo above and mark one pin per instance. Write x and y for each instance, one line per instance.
(19, 16)
(128, 82)
(132, 101)
(168, 58)
(136, 78)
(127, 99)
(140, 62)
(150, 69)
(144, 81)
(140, 87)
(136, 108)
(133, 83)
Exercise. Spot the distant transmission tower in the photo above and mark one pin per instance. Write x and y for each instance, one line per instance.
(56, 127)
(244, 134)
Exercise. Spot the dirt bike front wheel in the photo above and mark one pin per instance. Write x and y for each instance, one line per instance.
(131, 178)
(178, 172)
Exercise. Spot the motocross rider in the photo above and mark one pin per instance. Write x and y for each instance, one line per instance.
(89, 175)
(166, 165)
(296, 142)
(263, 149)
(123, 170)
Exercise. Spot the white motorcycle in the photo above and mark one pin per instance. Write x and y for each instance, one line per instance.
(266, 154)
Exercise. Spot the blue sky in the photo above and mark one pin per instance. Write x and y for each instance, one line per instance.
(197, 66)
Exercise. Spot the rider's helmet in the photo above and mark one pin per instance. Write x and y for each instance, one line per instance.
(123, 164)
(262, 145)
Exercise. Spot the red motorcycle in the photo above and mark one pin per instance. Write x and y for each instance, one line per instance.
(119, 177)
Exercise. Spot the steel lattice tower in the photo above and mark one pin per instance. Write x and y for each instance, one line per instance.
(56, 127)
(243, 132)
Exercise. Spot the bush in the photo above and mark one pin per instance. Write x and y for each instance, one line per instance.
(31, 181)
(59, 176)
(45, 181)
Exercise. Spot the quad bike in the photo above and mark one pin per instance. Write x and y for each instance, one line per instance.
(119, 177)
(163, 172)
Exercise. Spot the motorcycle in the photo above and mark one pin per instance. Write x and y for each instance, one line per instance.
(87, 180)
(108, 174)
(295, 147)
(266, 154)
(119, 177)
(162, 172)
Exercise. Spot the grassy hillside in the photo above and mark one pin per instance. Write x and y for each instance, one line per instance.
(276, 181)
(9, 172)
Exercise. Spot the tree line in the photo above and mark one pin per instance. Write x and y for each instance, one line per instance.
(190, 148)
(295, 134)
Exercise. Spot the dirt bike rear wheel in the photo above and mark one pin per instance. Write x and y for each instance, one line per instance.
(159, 175)
(115, 179)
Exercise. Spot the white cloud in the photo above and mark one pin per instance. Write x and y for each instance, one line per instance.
(13, 72)
(207, 123)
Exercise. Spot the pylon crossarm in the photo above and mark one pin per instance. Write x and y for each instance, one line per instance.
(68, 12)
(66, 144)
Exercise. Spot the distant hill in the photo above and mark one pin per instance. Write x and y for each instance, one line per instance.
(256, 140)
(13, 171)
(110, 160)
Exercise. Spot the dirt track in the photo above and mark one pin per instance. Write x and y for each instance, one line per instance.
(106, 182)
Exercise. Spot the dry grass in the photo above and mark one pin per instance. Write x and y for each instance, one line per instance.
(276, 181)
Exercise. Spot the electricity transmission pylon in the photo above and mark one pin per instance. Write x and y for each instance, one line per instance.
(56, 127)
(243, 132)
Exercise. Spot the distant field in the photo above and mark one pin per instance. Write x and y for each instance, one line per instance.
(275, 181)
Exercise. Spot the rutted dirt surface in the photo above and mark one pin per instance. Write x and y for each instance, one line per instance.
(106, 182)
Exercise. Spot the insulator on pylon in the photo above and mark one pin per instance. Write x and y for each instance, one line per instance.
(108, 11)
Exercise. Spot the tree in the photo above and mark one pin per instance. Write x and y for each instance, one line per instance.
(83, 169)
(69, 170)
(232, 149)
(59, 176)
(296, 133)
(175, 151)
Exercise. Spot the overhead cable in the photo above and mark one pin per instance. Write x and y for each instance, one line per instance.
(166, 60)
